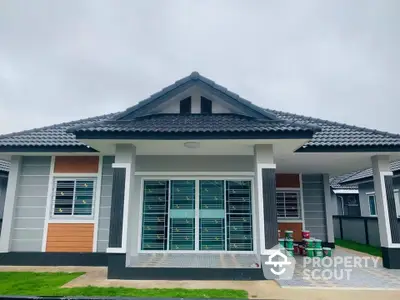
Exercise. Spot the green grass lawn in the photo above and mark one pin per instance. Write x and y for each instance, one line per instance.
(49, 284)
(359, 247)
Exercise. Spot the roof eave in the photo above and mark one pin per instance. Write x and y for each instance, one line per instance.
(21, 148)
(194, 135)
(349, 149)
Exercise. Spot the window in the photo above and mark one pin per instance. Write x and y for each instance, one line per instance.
(372, 205)
(186, 106)
(206, 106)
(203, 215)
(288, 204)
(73, 197)
(397, 201)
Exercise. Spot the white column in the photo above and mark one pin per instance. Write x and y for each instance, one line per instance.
(328, 210)
(381, 168)
(11, 198)
(263, 159)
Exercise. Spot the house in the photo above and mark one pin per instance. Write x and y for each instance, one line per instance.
(345, 197)
(192, 183)
(363, 181)
(4, 167)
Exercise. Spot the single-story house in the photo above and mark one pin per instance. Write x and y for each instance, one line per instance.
(4, 167)
(363, 182)
(192, 183)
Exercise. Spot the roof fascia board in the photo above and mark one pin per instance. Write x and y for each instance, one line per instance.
(194, 135)
(47, 149)
(348, 149)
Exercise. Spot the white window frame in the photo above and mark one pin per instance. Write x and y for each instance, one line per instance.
(197, 215)
(299, 205)
(77, 218)
(369, 205)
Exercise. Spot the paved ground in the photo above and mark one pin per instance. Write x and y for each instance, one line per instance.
(365, 283)
(368, 274)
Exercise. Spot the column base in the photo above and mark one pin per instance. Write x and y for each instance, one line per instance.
(391, 258)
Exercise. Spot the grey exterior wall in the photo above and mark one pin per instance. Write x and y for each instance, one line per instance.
(368, 187)
(195, 163)
(105, 204)
(314, 205)
(30, 206)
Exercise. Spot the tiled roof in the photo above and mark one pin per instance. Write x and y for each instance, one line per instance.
(335, 182)
(54, 135)
(367, 174)
(4, 165)
(331, 135)
(176, 123)
(335, 134)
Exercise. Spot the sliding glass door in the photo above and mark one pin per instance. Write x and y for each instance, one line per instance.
(197, 215)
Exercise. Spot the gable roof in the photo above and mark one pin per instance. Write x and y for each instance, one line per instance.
(194, 79)
(326, 135)
(366, 174)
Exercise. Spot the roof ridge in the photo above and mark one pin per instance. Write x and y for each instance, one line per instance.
(17, 133)
(336, 123)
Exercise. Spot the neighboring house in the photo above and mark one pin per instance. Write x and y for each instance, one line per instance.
(345, 196)
(192, 183)
(4, 167)
(364, 181)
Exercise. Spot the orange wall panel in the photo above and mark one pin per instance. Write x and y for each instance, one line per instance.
(287, 181)
(296, 227)
(70, 237)
(76, 164)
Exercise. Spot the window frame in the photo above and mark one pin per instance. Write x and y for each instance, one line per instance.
(187, 104)
(299, 205)
(54, 217)
(205, 104)
(369, 204)
(197, 180)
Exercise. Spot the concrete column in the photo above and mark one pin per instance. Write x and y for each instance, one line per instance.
(267, 222)
(11, 197)
(389, 229)
(122, 190)
(328, 211)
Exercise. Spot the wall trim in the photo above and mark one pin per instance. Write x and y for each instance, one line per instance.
(9, 203)
(97, 199)
(48, 203)
(115, 250)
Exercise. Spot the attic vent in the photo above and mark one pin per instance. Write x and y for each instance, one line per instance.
(186, 106)
(206, 106)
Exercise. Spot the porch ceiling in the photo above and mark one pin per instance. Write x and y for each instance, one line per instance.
(286, 159)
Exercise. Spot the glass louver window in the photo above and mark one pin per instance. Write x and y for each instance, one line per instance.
(216, 217)
(212, 215)
(73, 198)
(155, 215)
(288, 204)
(182, 215)
(239, 216)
